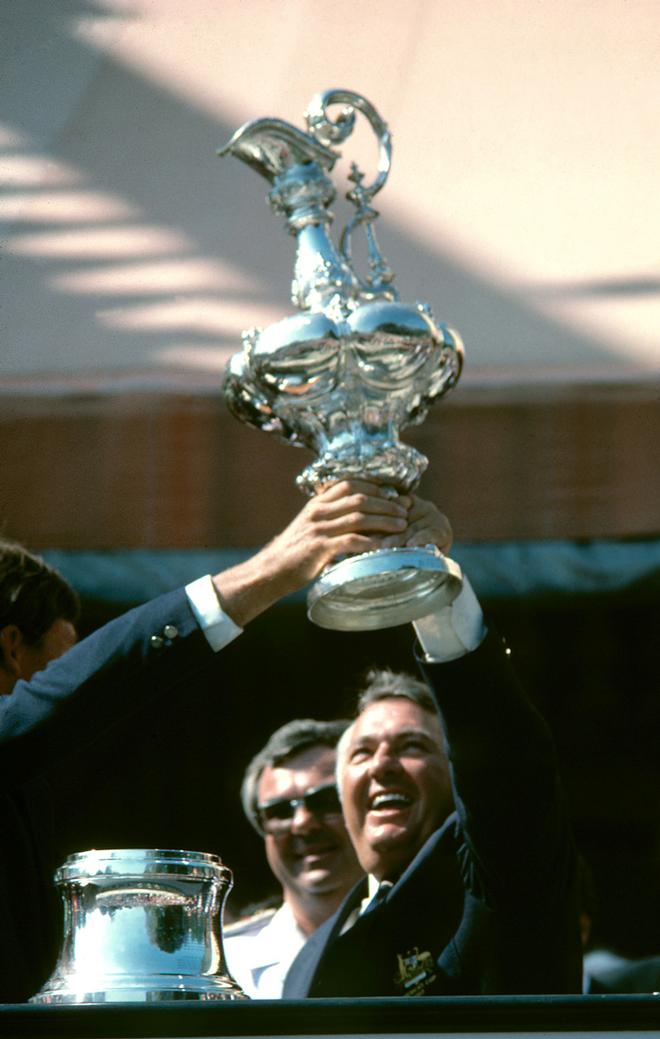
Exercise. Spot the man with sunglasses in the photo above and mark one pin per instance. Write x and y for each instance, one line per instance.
(289, 795)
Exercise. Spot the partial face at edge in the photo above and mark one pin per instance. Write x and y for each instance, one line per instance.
(22, 659)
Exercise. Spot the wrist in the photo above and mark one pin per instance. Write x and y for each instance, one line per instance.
(249, 588)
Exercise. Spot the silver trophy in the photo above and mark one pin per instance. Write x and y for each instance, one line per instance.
(353, 368)
(141, 926)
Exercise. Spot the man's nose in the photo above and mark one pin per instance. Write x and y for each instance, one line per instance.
(384, 760)
(302, 819)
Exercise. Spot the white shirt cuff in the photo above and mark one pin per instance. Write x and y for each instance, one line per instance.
(454, 630)
(219, 629)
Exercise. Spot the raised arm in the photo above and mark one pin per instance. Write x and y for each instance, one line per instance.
(346, 518)
(152, 648)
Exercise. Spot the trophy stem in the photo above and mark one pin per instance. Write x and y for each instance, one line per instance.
(383, 589)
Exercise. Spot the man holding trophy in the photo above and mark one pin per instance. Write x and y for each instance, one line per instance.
(57, 696)
(483, 899)
(455, 811)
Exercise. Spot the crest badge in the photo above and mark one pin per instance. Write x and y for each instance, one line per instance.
(415, 972)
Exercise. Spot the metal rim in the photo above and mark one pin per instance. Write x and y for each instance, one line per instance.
(383, 589)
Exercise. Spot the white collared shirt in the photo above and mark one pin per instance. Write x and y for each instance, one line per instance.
(260, 951)
(218, 627)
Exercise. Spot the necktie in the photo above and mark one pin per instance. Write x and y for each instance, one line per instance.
(383, 888)
(363, 909)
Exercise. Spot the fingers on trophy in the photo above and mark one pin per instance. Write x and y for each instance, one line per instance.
(352, 368)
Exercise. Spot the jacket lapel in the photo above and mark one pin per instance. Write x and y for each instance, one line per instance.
(301, 973)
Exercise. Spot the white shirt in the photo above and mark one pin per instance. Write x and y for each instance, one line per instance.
(219, 629)
(260, 950)
(453, 631)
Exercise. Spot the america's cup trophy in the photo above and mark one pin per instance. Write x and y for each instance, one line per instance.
(355, 366)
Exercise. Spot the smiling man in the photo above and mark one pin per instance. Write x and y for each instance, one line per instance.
(395, 774)
(290, 796)
(451, 797)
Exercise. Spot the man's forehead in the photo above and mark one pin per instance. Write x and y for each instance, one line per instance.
(298, 772)
(316, 756)
(393, 716)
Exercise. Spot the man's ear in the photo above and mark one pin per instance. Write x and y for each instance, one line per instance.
(11, 649)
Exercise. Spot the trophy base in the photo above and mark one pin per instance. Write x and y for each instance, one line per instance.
(382, 589)
(147, 989)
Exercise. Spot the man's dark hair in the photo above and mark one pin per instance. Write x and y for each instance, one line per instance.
(381, 684)
(32, 594)
(286, 742)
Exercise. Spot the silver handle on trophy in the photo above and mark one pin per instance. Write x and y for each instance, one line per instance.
(355, 366)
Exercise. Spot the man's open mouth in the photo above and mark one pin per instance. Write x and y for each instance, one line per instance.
(389, 799)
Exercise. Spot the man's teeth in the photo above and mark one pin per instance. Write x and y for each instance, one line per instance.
(387, 799)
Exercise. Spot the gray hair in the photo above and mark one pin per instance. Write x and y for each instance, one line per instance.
(384, 683)
(286, 742)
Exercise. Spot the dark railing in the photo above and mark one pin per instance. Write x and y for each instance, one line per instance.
(526, 1015)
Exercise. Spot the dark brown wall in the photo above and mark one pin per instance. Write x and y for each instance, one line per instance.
(155, 470)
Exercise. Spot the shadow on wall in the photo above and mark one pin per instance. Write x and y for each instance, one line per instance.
(143, 250)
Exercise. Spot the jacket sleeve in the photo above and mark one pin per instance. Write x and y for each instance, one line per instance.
(517, 840)
(516, 850)
(107, 676)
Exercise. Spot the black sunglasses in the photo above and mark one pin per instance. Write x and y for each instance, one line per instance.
(319, 801)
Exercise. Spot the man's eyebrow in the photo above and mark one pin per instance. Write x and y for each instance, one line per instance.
(418, 733)
(358, 741)
(372, 737)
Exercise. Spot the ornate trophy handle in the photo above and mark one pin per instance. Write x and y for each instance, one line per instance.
(327, 132)
(378, 283)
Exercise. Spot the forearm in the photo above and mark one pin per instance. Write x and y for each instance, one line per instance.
(248, 589)
(489, 723)
(503, 767)
(345, 518)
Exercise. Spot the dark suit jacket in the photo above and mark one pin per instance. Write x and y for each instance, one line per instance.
(86, 699)
(489, 904)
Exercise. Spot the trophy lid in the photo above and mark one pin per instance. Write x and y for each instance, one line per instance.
(136, 862)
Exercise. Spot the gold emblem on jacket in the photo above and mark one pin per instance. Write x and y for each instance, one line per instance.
(415, 972)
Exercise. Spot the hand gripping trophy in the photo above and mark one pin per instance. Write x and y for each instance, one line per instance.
(349, 371)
